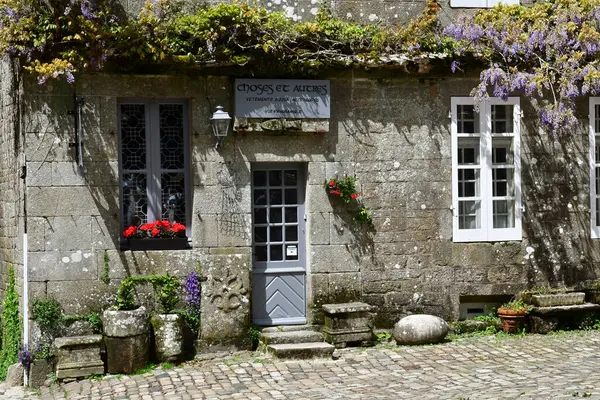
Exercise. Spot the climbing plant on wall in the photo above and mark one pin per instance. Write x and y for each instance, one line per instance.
(548, 51)
(11, 326)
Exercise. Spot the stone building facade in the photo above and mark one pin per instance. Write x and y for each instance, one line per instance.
(391, 130)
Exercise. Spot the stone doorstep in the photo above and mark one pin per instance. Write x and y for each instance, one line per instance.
(301, 350)
(290, 337)
(345, 308)
(292, 328)
(330, 331)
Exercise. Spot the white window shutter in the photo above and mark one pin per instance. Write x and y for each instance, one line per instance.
(469, 3)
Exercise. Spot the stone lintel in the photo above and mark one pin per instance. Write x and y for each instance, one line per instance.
(76, 341)
(345, 308)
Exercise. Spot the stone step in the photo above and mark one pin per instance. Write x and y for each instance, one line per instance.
(287, 337)
(292, 328)
(301, 350)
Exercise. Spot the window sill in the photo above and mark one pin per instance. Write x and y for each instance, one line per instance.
(155, 244)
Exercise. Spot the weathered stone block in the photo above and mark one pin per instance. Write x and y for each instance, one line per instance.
(39, 370)
(347, 323)
(319, 228)
(323, 255)
(78, 356)
(14, 375)
(127, 354)
(59, 266)
(69, 233)
(125, 323)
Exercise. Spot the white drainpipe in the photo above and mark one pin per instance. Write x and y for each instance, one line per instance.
(25, 302)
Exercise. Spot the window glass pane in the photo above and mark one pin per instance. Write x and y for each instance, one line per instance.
(290, 178)
(274, 178)
(260, 197)
(502, 151)
(173, 197)
(502, 182)
(171, 136)
(260, 252)
(504, 215)
(467, 119)
(276, 234)
(597, 149)
(469, 214)
(468, 182)
(597, 181)
(291, 214)
(133, 137)
(260, 215)
(260, 234)
(468, 151)
(135, 200)
(597, 211)
(597, 122)
(276, 252)
(502, 118)
(291, 233)
(275, 215)
(260, 178)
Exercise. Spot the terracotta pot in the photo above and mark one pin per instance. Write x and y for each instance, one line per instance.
(512, 321)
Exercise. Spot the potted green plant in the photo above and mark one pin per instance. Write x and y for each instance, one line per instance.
(512, 315)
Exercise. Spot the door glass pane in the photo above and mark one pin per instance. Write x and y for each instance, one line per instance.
(504, 216)
(291, 233)
(502, 118)
(260, 178)
(275, 216)
(274, 178)
(502, 151)
(275, 197)
(502, 182)
(276, 252)
(597, 124)
(291, 196)
(597, 211)
(276, 234)
(467, 119)
(260, 252)
(291, 214)
(260, 234)
(290, 177)
(260, 215)
(469, 214)
(260, 197)
(468, 182)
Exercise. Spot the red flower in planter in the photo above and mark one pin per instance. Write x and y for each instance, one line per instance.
(157, 229)
(129, 232)
(155, 232)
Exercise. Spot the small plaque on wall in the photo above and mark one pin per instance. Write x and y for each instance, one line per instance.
(282, 98)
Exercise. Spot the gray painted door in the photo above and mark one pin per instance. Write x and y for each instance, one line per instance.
(279, 250)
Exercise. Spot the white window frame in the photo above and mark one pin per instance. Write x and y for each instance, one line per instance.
(595, 230)
(486, 232)
(153, 168)
(481, 3)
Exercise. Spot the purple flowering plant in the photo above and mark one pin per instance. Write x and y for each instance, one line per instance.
(193, 299)
(25, 357)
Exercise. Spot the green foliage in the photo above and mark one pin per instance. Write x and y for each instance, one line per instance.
(47, 312)
(345, 188)
(515, 305)
(165, 289)
(383, 337)
(145, 370)
(11, 326)
(93, 318)
(166, 366)
(254, 334)
(106, 270)
(43, 353)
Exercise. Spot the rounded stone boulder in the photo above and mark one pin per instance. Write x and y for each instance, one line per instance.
(420, 329)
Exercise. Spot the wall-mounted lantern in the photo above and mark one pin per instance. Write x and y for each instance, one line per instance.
(220, 124)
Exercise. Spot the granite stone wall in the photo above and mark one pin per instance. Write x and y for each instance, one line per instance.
(11, 187)
(391, 131)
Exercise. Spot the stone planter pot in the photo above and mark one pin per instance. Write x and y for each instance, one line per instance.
(39, 371)
(512, 321)
(593, 296)
(558, 299)
(127, 340)
(168, 337)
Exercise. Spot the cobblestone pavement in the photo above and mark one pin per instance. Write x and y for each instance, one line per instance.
(565, 365)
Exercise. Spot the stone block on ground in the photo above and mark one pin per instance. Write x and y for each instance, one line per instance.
(127, 354)
(543, 325)
(347, 323)
(125, 323)
(39, 371)
(14, 375)
(420, 329)
(79, 356)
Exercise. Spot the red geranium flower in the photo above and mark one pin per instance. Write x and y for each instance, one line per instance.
(147, 226)
(155, 232)
(354, 196)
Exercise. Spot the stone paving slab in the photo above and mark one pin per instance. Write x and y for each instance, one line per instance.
(562, 366)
